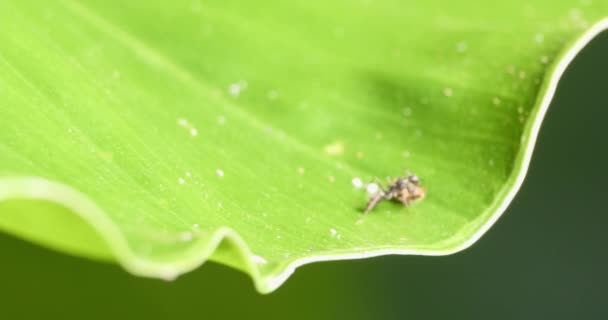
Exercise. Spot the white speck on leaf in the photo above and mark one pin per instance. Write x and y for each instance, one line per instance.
(185, 236)
(539, 37)
(181, 181)
(448, 92)
(272, 95)
(357, 182)
(186, 124)
(522, 74)
(461, 46)
(236, 88)
(334, 149)
(220, 173)
(259, 260)
(372, 188)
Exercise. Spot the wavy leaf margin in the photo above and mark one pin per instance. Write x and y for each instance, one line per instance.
(38, 188)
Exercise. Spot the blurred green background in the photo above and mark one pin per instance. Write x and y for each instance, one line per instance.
(546, 258)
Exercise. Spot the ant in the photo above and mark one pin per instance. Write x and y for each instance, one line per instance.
(406, 190)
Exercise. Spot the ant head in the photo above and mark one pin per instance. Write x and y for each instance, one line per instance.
(412, 178)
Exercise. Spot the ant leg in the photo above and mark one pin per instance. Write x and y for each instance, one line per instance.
(373, 202)
(379, 184)
(405, 202)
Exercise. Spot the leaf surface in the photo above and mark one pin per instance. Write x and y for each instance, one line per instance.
(159, 135)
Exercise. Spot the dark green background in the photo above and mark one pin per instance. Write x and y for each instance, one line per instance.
(546, 258)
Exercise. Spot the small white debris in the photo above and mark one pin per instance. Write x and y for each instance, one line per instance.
(219, 173)
(333, 232)
(236, 88)
(186, 124)
(448, 92)
(301, 170)
(334, 149)
(259, 260)
(278, 236)
(461, 46)
(372, 188)
(539, 37)
(188, 174)
(221, 120)
(576, 14)
(272, 95)
(358, 183)
(181, 181)
(522, 74)
(185, 236)
(195, 226)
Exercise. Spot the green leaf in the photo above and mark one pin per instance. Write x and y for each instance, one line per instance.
(159, 135)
